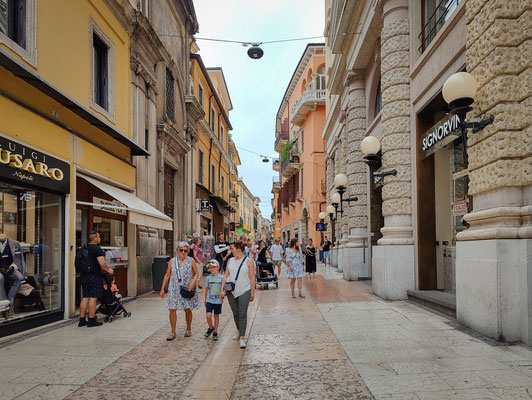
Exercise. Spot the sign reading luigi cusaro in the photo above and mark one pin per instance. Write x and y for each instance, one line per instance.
(26, 165)
(441, 134)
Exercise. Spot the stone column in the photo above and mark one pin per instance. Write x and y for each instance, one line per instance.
(393, 258)
(355, 261)
(493, 260)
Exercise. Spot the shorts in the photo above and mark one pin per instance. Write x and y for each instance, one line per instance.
(277, 262)
(326, 255)
(91, 286)
(217, 308)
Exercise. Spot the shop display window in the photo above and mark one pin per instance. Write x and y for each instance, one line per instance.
(31, 226)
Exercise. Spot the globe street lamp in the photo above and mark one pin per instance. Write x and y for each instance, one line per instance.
(459, 92)
(370, 147)
(331, 211)
(340, 182)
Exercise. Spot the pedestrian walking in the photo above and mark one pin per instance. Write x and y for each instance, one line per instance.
(310, 259)
(181, 276)
(92, 282)
(262, 253)
(277, 252)
(240, 275)
(294, 259)
(221, 249)
(199, 257)
(326, 244)
(213, 298)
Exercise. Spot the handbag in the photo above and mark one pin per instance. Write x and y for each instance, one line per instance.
(183, 291)
(230, 286)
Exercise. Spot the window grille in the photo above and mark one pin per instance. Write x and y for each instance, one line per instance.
(434, 14)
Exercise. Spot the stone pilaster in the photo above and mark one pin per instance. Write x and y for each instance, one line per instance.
(493, 256)
(499, 55)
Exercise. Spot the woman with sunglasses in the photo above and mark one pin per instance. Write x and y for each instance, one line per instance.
(181, 273)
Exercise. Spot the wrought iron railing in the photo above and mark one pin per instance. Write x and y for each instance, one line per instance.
(283, 135)
(435, 22)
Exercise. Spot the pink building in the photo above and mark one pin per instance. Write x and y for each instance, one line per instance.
(300, 120)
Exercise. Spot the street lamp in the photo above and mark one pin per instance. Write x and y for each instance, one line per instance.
(340, 182)
(331, 211)
(322, 215)
(459, 92)
(370, 147)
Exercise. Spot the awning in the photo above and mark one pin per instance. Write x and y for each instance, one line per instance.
(219, 205)
(139, 212)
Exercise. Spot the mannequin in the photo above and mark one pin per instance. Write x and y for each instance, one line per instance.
(12, 268)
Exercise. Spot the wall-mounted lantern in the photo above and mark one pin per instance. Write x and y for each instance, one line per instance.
(370, 147)
(337, 200)
(459, 92)
(331, 211)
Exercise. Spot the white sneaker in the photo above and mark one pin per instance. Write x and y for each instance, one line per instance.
(236, 336)
(242, 344)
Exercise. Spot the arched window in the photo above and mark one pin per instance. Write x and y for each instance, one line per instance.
(320, 79)
(378, 100)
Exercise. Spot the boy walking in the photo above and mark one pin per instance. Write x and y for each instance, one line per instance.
(213, 298)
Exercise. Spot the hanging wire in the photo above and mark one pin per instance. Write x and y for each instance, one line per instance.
(242, 42)
(253, 152)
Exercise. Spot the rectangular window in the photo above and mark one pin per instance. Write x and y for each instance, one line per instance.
(434, 14)
(13, 20)
(213, 178)
(302, 140)
(200, 166)
(222, 135)
(170, 96)
(212, 119)
(223, 186)
(101, 72)
(200, 94)
(147, 139)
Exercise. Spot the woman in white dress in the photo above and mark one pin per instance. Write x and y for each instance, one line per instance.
(181, 273)
(294, 260)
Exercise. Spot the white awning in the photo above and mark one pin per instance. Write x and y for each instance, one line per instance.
(139, 212)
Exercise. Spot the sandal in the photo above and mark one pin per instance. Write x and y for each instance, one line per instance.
(293, 296)
(301, 295)
(188, 334)
(171, 337)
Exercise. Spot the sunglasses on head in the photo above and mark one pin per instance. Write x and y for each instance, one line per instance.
(183, 250)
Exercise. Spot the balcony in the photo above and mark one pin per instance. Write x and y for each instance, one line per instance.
(276, 187)
(281, 138)
(276, 165)
(305, 104)
(290, 167)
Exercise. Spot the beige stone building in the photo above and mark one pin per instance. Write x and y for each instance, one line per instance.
(451, 227)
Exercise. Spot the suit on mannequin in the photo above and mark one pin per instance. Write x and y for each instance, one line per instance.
(12, 267)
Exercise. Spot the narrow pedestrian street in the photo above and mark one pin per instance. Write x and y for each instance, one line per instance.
(340, 342)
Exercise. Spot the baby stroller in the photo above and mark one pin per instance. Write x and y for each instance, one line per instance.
(110, 305)
(266, 274)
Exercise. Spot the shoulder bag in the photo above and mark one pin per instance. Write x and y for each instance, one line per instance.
(183, 291)
(230, 286)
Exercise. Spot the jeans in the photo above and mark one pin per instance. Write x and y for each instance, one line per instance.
(239, 306)
(14, 276)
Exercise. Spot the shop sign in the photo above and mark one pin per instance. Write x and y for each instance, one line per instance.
(113, 203)
(24, 164)
(205, 205)
(459, 208)
(441, 134)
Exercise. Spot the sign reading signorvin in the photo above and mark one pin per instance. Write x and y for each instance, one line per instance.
(441, 134)
(23, 164)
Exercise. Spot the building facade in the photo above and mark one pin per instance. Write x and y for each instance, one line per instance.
(67, 150)
(214, 162)
(299, 124)
(456, 216)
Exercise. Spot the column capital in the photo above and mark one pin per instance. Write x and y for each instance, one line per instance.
(393, 10)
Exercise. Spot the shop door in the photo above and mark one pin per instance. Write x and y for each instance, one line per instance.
(169, 192)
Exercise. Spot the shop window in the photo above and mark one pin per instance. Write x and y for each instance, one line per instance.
(31, 226)
(434, 14)
(17, 27)
(170, 95)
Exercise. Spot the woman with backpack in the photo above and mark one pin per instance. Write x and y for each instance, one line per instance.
(181, 276)
(239, 286)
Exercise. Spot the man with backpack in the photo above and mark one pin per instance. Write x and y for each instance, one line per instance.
(90, 262)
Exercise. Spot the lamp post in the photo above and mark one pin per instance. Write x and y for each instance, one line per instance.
(340, 182)
(370, 147)
(331, 211)
(459, 92)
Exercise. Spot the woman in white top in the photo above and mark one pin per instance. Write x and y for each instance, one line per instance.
(244, 291)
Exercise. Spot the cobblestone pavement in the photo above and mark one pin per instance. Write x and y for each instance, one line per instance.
(340, 342)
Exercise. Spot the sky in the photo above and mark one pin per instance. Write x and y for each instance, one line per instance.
(257, 87)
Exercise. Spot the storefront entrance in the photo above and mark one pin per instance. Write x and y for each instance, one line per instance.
(442, 196)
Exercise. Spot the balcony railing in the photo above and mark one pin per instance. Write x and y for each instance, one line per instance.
(306, 103)
(276, 184)
(435, 22)
(276, 165)
(281, 139)
(290, 166)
